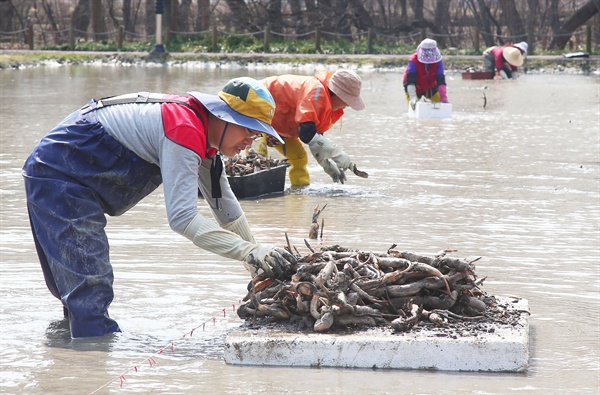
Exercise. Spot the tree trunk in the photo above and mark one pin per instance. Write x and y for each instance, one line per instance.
(362, 19)
(417, 7)
(184, 14)
(403, 13)
(150, 22)
(127, 21)
(50, 15)
(203, 18)
(240, 15)
(532, 12)
(274, 15)
(170, 17)
(297, 16)
(512, 19)
(80, 19)
(554, 19)
(339, 18)
(7, 16)
(485, 22)
(441, 19)
(581, 16)
(311, 14)
(98, 24)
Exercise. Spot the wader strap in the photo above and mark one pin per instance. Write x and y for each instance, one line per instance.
(142, 97)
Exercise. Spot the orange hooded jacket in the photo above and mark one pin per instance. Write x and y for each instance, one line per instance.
(300, 99)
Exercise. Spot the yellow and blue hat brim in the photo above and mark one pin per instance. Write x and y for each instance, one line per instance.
(220, 109)
(243, 101)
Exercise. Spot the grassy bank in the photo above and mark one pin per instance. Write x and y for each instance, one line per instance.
(10, 59)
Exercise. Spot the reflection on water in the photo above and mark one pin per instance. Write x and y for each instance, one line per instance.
(516, 182)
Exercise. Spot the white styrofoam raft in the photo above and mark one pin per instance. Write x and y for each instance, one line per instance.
(430, 110)
(505, 349)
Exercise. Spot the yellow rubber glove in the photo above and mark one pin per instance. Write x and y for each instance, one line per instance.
(260, 146)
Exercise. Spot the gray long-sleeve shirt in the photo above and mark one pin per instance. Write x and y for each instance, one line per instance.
(140, 128)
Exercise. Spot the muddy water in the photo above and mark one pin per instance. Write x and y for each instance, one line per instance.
(517, 183)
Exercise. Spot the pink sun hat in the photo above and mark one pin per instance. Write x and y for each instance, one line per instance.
(428, 52)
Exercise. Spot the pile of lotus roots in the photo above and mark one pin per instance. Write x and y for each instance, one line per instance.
(337, 288)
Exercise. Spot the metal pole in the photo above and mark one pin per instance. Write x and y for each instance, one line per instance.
(159, 10)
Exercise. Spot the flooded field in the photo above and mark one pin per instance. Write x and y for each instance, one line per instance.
(516, 182)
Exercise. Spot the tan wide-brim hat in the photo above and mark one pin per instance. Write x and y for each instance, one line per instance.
(512, 56)
(346, 84)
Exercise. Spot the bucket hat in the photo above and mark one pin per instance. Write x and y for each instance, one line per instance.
(512, 56)
(346, 85)
(245, 102)
(428, 52)
(523, 47)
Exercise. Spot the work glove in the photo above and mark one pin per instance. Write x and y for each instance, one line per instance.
(275, 262)
(334, 171)
(209, 236)
(503, 75)
(323, 149)
(412, 94)
(443, 96)
(240, 227)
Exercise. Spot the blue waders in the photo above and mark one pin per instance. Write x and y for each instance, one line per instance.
(74, 176)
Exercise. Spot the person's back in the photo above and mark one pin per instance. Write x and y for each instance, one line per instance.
(306, 107)
(505, 60)
(301, 99)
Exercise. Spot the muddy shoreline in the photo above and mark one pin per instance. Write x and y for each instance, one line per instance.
(18, 59)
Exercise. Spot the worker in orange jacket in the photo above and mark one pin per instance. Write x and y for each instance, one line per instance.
(306, 107)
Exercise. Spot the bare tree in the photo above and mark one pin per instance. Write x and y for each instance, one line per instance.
(417, 7)
(98, 22)
(127, 17)
(274, 18)
(10, 18)
(441, 20)
(203, 16)
(447, 21)
(512, 19)
(581, 16)
(297, 16)
(184, 15)
(483, 18)
(80, 19)
(362, 19)
(240, 15)
(150, 20)
(311, 14)
(532, 13)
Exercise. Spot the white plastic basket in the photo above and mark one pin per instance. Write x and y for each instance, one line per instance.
(430, 110)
